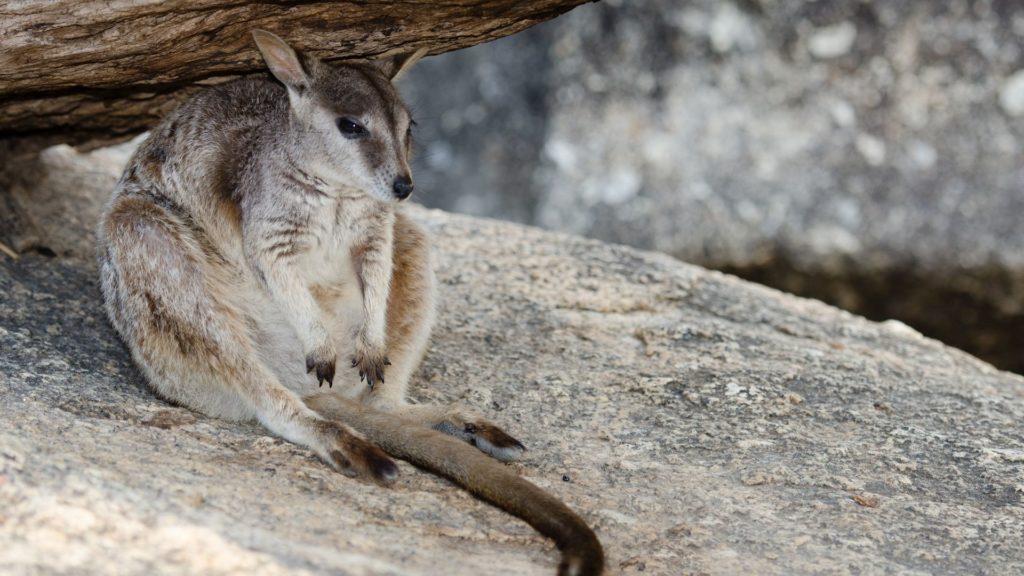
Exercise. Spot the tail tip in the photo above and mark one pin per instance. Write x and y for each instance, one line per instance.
(581, 564)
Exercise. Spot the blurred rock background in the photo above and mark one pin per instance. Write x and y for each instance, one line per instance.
(866, 153)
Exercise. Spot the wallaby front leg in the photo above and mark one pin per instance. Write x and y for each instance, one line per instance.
(374, 264)
(274, 268)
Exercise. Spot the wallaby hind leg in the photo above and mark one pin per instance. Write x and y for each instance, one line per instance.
(411, 303)
(193, 343)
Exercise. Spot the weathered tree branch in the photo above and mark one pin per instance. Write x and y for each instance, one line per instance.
(92, 71)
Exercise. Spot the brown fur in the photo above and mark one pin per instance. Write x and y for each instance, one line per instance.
(471, 469)
(406, 305)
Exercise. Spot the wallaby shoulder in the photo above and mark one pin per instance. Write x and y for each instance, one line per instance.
(194, 158)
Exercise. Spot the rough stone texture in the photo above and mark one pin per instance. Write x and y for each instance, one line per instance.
(702, 424)
(861, 151)
(74, 71)
(51, 201)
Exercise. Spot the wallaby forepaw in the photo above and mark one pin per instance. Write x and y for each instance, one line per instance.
(322, 361)
(324, 370)
(371, 366)
(487, 437)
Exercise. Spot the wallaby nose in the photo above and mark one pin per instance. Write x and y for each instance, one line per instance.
(402, 187)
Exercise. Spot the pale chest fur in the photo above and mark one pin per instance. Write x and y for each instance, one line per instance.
(341, 233)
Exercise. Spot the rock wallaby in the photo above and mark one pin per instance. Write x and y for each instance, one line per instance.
(256, 238)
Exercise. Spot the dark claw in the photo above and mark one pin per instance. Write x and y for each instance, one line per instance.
(371, 370)
(372, 377)
(324, 371)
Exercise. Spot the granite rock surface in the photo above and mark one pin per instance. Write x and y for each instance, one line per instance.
(862, 152)
(701, 424)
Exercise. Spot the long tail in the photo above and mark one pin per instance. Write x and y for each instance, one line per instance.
(486, 479)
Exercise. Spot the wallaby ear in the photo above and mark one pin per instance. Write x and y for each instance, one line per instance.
(395, 66)
(283, 62)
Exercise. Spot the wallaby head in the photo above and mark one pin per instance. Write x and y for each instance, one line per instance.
(349, 126)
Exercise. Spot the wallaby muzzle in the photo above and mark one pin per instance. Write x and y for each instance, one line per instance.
(402, 187)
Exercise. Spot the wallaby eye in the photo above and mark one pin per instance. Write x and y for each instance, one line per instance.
(351, 129)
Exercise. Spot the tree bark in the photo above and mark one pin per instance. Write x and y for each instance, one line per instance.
(95, 71)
